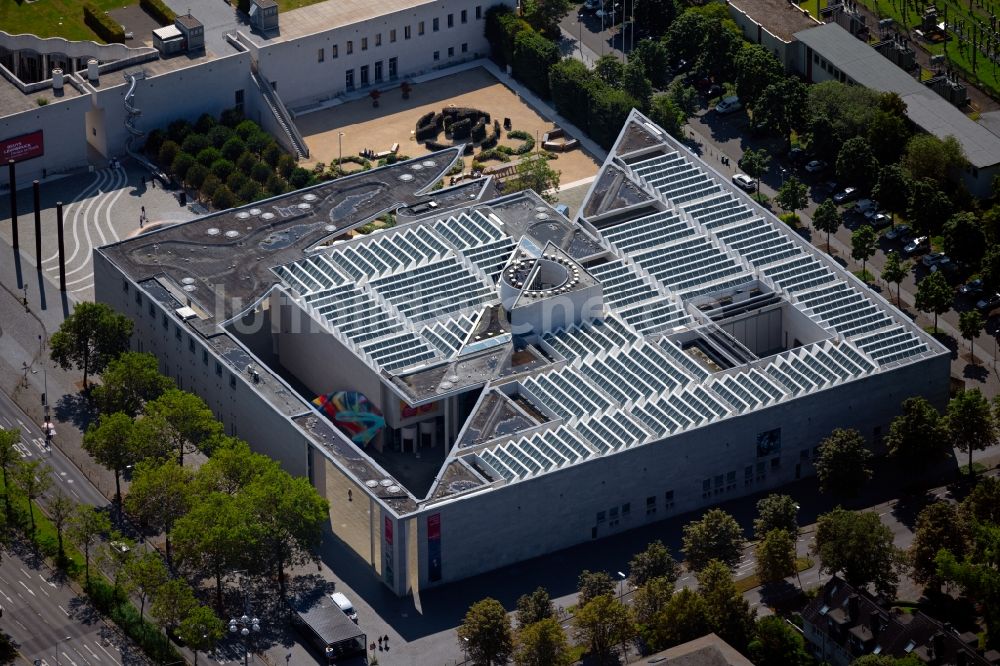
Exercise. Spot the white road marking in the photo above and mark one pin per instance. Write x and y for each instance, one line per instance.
(76, 216)
(110, 656)
(72, 663)
(91, 652)
(30, 591)
(6, 597)
(63, 610)
(79, 197)
(46, 581)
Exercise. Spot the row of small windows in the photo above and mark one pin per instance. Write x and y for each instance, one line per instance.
(407, 34)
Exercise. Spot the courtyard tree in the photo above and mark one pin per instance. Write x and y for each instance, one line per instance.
(652, 53)
(716, 536)
(10, 458)
(159, 496)
(146, 574)
(780, 108)
(843, 465)
(542, 643)
(603, 623)
(182, 421)
(33, 477)
(983, 503)
(827, 220)
(755, 163)
(592, 584)
(864, 243)
(112, 443)
(793, 195)
(201, 630)
(940, 525)
(858, 546)
(894, 271)
(970, 423)
(971, 324)
(934, 294)
(777, 643)
(534, 607)
(89, 338)
(485, 633)
(929, 207)
(729, 614)
(776, 512)
(610, 69)
(535, 174)
(918, 436)
(86, 528)
(775, 556)
(654, 562)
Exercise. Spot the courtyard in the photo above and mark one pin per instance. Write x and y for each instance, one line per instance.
(394, 120)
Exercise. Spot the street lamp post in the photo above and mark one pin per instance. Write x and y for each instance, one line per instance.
(244, 625)
(621, 593)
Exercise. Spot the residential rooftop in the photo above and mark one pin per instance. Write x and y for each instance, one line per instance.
(323, 16)
(779, 17)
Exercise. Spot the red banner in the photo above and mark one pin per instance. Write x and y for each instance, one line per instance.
(23, 147)
(434, 526)
(388, 531)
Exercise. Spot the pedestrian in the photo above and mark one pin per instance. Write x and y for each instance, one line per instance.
(152, 182)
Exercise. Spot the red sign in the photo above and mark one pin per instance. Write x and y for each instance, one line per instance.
(388, 531)
(434, 526)
(22, 147)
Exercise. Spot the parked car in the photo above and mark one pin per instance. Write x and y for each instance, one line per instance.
(344, 604)
(918, 244)
(120, 546)
(816, 166)
(744, 182)
(947, 266)
(972, 288)
(864, 206)
(797, 156)
(933, 259)
(845, 194)
(900, 231)
(878, 220)
(714, 90)
(988, 303)
(728, 105)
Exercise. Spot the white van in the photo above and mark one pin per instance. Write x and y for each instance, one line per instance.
(344, 604)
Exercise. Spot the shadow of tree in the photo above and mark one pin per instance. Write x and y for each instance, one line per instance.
(909, 507)
(771, 593)
(975, 371)
(75, 408)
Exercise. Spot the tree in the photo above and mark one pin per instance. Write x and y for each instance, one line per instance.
(827, 219)
(838, 112)
(655, 16)
(989, 268)
(888, 133)
(793, 195)
(146, 574)
(535, 174)
(232, 467)
(181, 419)
(717, 536)
(685, 97)
(970, 423)
(978, 574)
(534, 607)
(928, 157)
(159, 496)
(201, 630)
(635, 83)
(729, 614)
(983, 503)
(33, 477)
(971, 323)
(544, 15)
(775, 556)
(857, 165)
(917, 436)
(754, 163)
(112, 443)
(594, 584)
(939, 525)
(610, 70)
(652, 53)
(654, 562)
(894, 271)
(86, 527)
(172, 602)
(777, 643)
(843, 465)
(115, 556)
(10, 458)
(129, 382)
(214, 538)
(60, 509)
(934, 295)
(89, 338)
(684, 619)
(651, 599)
(964, 240)
(533, 55)
(665, 113)
(860, 547)
(756, 69)
(780, 108)
(892, 191)
(485, 633)
(602, 623)
(929, 207)
(776, 512)
(542, 643)
(864, 243)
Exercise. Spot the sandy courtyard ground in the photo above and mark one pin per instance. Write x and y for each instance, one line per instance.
(367, 127)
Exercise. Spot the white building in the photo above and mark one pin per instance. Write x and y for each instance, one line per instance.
(542, 382)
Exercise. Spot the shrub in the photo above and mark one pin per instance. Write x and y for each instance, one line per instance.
(250, 191)
(285, 165)
(178, 130)
(218, 136)
(42, 101)
(159, 11)
(256, 143)
(527, 146)
(233, 148)
(103, 25)
(246, 161)
(231, 118)
(221, 169)
(179, 167)
(235, 181)
(205, 123)
(493, 154)
(153, 142)
(116, 605)
(534, 55)
(425, 120)
(479, 130)
(246, 129)
(208, 156)
(427, 133)
(457, 168)
(209, 186)
(275, 185)
(196, 175)
(299, 178)
(261, 172)
(168, 151)
(223, 198)
(272, 154)
(194, 143)
(434, 145)
(502, 27)
(461, 129)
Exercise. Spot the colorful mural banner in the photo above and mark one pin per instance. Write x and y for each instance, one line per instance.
(353, 414)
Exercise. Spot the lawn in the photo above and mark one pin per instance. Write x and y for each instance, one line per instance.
(52, 18)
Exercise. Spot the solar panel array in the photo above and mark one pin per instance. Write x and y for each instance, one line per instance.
(433, 290)
(538, 453)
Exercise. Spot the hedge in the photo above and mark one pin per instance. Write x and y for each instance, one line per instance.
(527, 146)
(461, 129)
(479, 130)
(425, 119)
(427, 133)
(434, 145)
(534, 55)
(106, 27)
(159, 11)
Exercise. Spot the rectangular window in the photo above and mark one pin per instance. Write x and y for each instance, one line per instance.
(437, 55)
(668, 500)
(364, 43)
(406, 32)
(152, 310)
(479, 12)
(378, 71)
(775, 463)
(420, 28)
(191, 345)
(451, 51)
(350, 47)
(239, 99)
(392, 36)
(333, 51)
(465, 16)
(804, 454)
(349, 79)
(451, 20)
(601, 517)
(364, 75)
(761, 469)
(651, 505)
(166, 321)
(204, 356)
(138, 298)
(232, 381)
(218, 369)
(378, 39)
(626, 509)
(730, 478)
(320, 55)
(465, 47)
(435, 24)
(719, 480)
(748, 472)
(393, 67)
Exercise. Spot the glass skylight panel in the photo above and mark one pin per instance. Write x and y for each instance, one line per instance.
(531, 448)
(498, 465)
(729, 396)
(526, 461)
(597, 439)
(784, 379)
